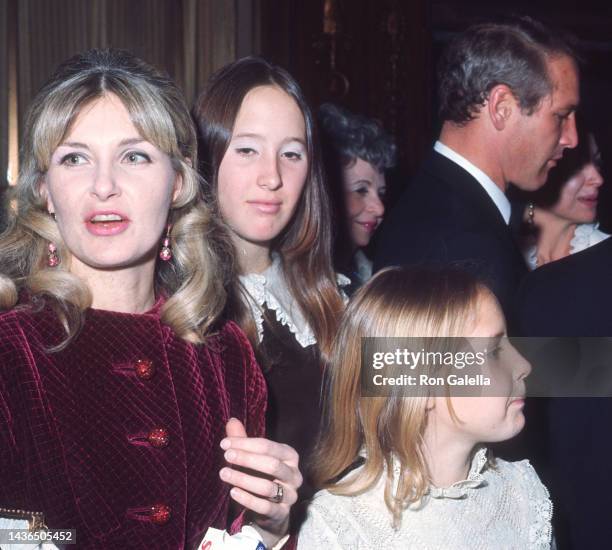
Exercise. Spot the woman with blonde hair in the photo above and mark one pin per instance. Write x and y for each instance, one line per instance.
(405, 466)
(122, 392)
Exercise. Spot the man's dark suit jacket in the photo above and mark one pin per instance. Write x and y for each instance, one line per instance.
(573, 297)
(570, 297)
(446, 217)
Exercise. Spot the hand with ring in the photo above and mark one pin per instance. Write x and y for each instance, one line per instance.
(278, 497)
(271, 493)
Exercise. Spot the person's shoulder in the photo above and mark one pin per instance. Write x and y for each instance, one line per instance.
(11, 328)
(230, 332)
(583, 271)
(324, 499)
(8, 316)
(14, 338)
(231, 344)
(329, 524)
(597, 256)
(525, 483)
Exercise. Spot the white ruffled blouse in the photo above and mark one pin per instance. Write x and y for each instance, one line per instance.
(585, 236)
(505, 506)
(270, 289)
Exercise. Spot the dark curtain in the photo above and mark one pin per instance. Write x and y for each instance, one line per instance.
(189, 39)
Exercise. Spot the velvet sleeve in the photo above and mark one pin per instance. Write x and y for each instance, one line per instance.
(14, 354)
(255, 385)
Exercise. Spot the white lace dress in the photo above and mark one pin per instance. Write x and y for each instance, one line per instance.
(501, 508)
(585, 235)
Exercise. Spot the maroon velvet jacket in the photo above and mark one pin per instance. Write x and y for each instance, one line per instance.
(118, 435)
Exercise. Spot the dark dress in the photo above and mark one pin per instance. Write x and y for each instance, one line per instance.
(117, 436)
(294, 376)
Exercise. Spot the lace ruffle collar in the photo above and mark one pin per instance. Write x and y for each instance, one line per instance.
(270, 289)
(585, 236)
(460, 489)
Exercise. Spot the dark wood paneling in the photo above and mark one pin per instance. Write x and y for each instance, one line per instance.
(381, 66)
(49, 33)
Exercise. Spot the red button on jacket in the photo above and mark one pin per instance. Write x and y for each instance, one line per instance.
(145, 369)
(159, 437)
(160, 514)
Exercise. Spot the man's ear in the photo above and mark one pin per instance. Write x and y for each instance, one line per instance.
(500, 105)
(43, 190)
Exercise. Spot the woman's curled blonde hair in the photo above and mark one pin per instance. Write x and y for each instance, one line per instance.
(194, 281)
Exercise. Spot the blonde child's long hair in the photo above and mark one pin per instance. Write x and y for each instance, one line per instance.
(397, 302)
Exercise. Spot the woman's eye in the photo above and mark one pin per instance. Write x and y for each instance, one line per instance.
(73, 159)
(245, 151)
(496, 352)
(134, 157)
(292, 155)
(363, 191)
(382, 193)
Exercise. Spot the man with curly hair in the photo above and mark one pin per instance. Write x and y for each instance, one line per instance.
(508, 92)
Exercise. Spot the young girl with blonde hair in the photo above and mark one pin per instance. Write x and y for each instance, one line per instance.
(401, 471)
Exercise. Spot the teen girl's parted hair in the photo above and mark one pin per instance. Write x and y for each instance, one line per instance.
(305, 244)
(396, 302)
(194, 280)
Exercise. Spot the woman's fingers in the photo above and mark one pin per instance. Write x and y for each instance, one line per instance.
(264, 508)
(264, 475)
(267, 464)
(260, 487)
(235, 428)
(266, 470)
(262, 446)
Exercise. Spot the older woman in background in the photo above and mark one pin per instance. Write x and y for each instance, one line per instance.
(123, 395)
(357, 152)
(561, 215)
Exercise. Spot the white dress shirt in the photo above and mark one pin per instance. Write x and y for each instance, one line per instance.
(496, 194)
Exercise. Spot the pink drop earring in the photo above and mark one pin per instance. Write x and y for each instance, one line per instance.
(165, 254)
(53, 260)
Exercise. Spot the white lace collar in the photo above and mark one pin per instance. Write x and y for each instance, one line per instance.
(585, 236)
(459, 489)
(475, 479)
(270, 289)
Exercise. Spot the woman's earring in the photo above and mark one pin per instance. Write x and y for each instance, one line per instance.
(531, 213)
(53, 259)
(165, 254)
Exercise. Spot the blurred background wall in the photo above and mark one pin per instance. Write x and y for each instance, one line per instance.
(376, 57)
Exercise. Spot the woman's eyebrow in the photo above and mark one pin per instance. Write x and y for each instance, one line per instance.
(76, 144)
(132, 141)
(248, 135)
(123, 142)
